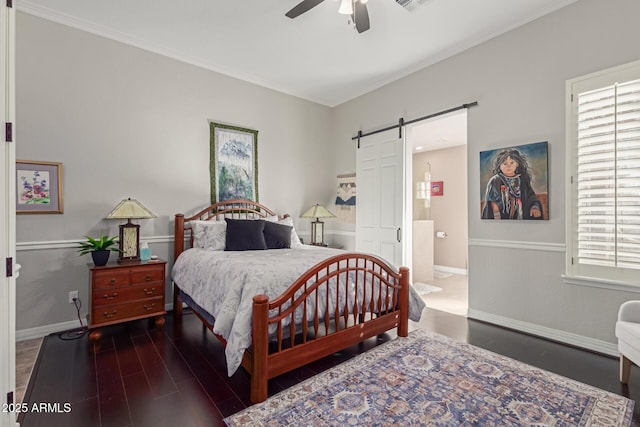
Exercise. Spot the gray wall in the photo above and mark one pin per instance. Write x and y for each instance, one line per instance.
(518, 80)
(125, 122)
(449, 211)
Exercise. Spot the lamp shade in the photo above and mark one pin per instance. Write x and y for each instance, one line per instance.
(129, 238)
(130, 209)
(317, 211)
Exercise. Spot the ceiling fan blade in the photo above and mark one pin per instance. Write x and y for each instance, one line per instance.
(302, 7)
(360, 16)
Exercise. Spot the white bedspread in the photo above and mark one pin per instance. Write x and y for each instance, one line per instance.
(224, 284)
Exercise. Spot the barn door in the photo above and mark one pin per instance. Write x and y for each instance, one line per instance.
(380, 187)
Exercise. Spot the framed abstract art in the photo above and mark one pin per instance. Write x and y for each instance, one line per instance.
(437, 188)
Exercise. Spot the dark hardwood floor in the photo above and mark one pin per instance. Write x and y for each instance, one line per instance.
(137, 375)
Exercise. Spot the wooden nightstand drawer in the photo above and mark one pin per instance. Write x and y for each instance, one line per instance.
(126, 294)
(129, 311)
(107, 279)
(149, 273)
(129, 291)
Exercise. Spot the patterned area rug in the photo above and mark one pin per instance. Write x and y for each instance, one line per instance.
(428, 379)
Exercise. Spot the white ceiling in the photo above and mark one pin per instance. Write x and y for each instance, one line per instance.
(441, 132)
(316, 56)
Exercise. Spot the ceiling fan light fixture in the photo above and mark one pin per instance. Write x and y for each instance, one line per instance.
(346, 7)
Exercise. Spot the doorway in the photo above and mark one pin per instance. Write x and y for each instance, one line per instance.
(440, 223)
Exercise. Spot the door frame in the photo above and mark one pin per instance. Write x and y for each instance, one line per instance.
(8, 217)
(409, 151)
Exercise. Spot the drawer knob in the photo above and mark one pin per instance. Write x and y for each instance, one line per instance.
(112, 281)
(149, 292)
(147, 277)
(110, 315)
(149, 307)
(106, 296)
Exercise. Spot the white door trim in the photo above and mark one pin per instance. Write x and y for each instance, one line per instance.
(7, 216)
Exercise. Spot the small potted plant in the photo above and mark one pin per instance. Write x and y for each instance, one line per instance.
(100, 248)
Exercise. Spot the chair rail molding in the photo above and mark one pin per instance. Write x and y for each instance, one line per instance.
(512, 244)
(64, 244)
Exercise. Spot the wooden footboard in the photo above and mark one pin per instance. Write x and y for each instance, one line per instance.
(341, 301)
(363, 297)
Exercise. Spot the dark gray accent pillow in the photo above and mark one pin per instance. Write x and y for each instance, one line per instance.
(277, 236)
(245, 235)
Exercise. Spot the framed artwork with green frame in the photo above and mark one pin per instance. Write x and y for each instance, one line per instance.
(233, 163)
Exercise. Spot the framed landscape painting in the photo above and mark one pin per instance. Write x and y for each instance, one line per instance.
(233, 163)
(38, 187)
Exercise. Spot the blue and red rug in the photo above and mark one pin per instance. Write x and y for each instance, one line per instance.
(429, 379)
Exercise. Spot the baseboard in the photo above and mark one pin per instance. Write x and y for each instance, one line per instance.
(580, 341)
(452, 270)
(575, 340)
(43, 331)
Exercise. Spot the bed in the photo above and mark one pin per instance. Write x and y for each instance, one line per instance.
(278, 309)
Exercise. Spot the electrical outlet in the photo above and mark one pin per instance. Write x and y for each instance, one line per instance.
(73, 295)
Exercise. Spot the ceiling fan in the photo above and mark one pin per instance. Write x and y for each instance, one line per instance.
(356, 8)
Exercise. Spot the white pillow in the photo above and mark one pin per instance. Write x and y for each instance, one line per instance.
(209, 235)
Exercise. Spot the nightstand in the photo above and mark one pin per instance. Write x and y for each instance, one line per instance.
(123, 292)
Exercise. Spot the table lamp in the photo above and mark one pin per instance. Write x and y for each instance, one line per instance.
(317, 227)
(129, 242)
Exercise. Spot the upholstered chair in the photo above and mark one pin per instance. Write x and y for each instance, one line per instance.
(628, 334)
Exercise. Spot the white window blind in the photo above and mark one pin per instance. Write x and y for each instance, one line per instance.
(605, 223)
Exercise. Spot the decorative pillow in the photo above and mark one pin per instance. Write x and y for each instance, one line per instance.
(245, 235)
(277, 236)
(295, 240)
(209, 234)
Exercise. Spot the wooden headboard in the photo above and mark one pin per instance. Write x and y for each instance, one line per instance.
(235, 209)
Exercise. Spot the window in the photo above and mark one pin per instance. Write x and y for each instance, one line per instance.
(603, 159)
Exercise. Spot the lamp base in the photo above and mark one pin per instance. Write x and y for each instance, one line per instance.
(129, 243)
(317, 232)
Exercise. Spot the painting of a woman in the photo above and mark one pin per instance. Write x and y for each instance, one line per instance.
(509, 193)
